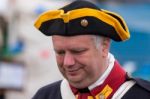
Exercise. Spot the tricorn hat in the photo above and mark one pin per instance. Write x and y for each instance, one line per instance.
(81, 18)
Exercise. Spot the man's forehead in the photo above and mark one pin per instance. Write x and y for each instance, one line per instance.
(56, 37)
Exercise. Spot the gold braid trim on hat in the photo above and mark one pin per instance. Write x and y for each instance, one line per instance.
(102, 15)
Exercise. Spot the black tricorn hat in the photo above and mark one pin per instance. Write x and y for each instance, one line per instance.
(81, 18)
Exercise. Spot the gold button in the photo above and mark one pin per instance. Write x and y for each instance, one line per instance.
(84, 23)
(101, 96)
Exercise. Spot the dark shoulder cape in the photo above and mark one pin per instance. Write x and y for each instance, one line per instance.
(51, 91)
(141, 90)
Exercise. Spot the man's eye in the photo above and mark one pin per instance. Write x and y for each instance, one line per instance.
(60, 52)
(78, 51)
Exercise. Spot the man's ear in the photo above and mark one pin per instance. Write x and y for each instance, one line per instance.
(106, 46)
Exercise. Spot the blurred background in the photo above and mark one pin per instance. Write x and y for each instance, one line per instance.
(27, 59)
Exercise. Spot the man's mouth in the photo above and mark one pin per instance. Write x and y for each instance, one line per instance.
(73, 71)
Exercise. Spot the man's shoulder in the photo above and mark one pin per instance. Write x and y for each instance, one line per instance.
(140, 90)
(143, 83)
(49, 91)
(52, 86)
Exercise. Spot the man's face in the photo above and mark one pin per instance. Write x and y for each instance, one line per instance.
(78, 59)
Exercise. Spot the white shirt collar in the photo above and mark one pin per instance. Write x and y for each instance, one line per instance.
(105, 74)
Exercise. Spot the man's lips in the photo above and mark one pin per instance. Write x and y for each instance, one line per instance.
(73, 71)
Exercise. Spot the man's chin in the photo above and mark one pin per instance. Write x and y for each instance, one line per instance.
(77, 84)
(74, 80)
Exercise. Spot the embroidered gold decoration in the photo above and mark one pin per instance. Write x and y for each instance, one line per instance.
(101, 96)
(104, 93)
(90, 97)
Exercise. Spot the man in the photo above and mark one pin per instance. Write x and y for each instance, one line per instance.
(81, 35)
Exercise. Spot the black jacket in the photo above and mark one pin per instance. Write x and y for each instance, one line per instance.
(141, 90)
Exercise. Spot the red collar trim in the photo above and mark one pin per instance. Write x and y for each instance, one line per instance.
(114, 80)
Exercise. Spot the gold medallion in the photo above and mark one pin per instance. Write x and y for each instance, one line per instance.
(84, 23)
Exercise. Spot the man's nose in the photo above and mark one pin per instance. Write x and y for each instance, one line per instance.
(69, 59)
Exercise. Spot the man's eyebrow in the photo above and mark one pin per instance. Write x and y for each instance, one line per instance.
(78, 49)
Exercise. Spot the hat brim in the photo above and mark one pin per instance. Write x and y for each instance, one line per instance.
(59, 23)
